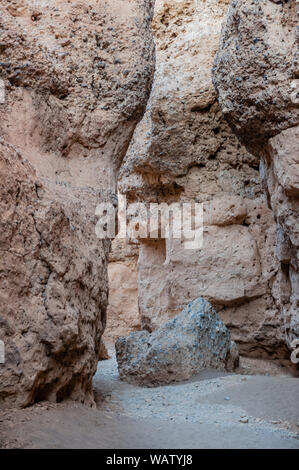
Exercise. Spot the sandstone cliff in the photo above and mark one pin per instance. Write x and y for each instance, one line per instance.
(77, 77)
(123, 311)
(184, 150)
(256, 74)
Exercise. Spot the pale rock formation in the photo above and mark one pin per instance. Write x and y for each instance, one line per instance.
(77, 77)
(183, 150)
(103, 354)
(256, 74)
(193, 341)
(122, 312)
(256, 69)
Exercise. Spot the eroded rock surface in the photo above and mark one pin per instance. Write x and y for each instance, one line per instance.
(193, 341)
(256, 75)
(256, 69)
(77, 77)
(53, 292)
(103, 355)
(122, 312)
(183, 150)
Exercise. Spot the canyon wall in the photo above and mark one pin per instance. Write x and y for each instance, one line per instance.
(77, 78)
(256, 74)
(184, 150)
(123, 311)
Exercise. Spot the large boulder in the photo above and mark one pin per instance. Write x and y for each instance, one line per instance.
(194, 340)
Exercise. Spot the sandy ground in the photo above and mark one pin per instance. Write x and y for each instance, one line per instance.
(213, 410)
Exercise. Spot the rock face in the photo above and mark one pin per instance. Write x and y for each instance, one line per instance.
(183, 150)
(122, 312)
(77, 78)
(195, 340)
(53, 292)
(256, 75)
(103, 354)
(256, 69)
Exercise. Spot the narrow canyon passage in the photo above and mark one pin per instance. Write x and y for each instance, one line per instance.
(213, 410)
(137, 341)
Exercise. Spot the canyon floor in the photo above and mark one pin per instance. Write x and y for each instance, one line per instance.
(213, 410)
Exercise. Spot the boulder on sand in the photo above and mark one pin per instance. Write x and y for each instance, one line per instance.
(194, 340)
